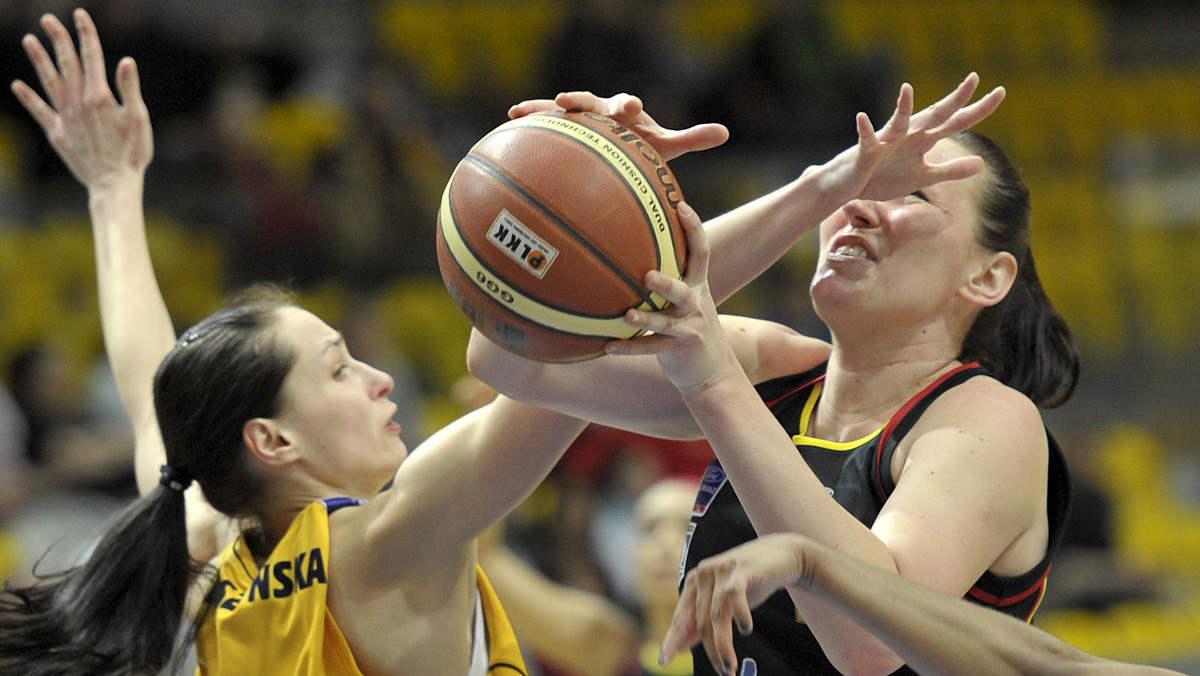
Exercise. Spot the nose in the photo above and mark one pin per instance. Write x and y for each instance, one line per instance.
(382, 383)
(861, 214)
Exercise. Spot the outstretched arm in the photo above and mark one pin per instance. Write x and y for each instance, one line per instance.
(883, 165)
(108, 145)
(934, 633)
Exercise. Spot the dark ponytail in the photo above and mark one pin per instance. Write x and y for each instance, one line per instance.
(117, 613)
(1022, 340)
(120, 612)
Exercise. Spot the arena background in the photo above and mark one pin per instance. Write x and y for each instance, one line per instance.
(308, 142)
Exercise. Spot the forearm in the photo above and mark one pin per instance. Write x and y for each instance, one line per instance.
(137, 328)
(781, 495)
(626, 392)
(749, 239)
(935, 633)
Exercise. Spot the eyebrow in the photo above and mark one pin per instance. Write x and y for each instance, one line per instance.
(332, 343)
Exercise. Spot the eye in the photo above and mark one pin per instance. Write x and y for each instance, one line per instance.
(920, 194)
(341, 372)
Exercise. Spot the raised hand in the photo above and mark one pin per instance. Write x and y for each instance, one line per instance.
(891, 163)
(627, 109)
(97, 137)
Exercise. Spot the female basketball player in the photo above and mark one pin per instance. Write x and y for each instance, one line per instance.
(913, 440)
(936, 634)
(282, 430)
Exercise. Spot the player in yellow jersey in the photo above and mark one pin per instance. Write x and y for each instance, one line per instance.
(280, 428)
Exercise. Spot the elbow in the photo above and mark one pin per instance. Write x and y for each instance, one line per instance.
(505, 372)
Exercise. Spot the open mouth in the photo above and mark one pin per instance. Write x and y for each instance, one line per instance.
(848, 250)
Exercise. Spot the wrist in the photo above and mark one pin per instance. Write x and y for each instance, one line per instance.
(829, 185)
(116, 188)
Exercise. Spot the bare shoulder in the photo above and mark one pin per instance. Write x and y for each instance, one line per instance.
(769, 350)
(985, 414)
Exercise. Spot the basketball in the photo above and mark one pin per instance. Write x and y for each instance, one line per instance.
(547, 229)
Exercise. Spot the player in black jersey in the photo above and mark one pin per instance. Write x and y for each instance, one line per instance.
(912, 440)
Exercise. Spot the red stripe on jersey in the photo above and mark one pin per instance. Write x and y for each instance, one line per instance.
(810, 383)
(900, 415)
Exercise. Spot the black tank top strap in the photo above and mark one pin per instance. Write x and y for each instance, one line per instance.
(907, 416)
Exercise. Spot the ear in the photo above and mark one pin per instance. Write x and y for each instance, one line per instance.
(992, 280)
(267, 441)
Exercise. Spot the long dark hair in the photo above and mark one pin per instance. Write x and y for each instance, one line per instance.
(1022, 340)
(120, 611)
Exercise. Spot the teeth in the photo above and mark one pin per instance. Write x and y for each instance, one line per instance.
(850, 250)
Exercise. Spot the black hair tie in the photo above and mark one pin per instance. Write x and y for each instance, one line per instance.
(176, 480)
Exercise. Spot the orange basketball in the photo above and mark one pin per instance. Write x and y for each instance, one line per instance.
(548, 227)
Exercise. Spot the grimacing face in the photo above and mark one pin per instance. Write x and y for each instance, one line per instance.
(335, 409)
(901, 260)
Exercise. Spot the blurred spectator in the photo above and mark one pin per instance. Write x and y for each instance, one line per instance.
(77, 466)
(568, 631)
(13, 435)
(793, 87)
(613, 46)
(277, 231)
(1088, 573)
(67, 446)
(384, 181)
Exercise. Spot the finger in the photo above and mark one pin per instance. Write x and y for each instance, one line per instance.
(39, 109)
(650, 343)
(532, 106)
(95, 75)
(681, 635)
(659, 323)
(722, 628)
(579, 100)
(898, 124)
(972, 114)
(64, 52)
(46, 71)
(735, 598)
(961, 167)
(627, 108)
(705, 578)
(129, 85)
(672, 144)
(950, 104)
(866, 131)
(699, 249)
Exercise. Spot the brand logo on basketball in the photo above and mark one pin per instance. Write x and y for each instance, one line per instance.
(520, 244)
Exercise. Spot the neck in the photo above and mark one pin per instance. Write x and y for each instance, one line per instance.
(863, 391)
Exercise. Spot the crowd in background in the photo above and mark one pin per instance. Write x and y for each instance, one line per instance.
(306, 141)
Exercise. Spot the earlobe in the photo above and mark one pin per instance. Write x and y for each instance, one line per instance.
(266, 441)
(991, 283)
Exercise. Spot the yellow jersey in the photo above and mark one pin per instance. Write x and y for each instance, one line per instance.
(275, 619)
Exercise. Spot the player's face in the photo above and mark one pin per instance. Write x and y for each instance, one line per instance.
(902, 260)
(335, 409)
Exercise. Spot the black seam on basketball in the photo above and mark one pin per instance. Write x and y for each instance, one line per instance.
(471, 280)
(617, 145)
(633, 285)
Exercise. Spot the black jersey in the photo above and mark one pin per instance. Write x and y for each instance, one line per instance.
(857, 476)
